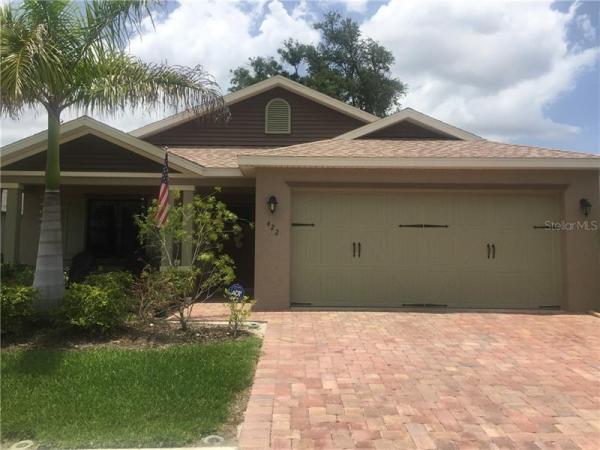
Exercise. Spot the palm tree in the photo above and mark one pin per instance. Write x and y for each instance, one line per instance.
(60, 54)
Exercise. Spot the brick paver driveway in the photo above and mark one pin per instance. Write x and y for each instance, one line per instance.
(425, 380)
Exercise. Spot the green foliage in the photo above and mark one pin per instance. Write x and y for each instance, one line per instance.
(16, 307)
(17, 274)
(205, 224)
(65, 53)
(262, 68)
(343, 65)
(98, 305)
(150, 298)
(119, 281)
(178, 285)
(240, 310)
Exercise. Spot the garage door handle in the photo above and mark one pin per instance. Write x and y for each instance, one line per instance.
(354, 249)
(359, 249)
(489, 248)
(493, 251)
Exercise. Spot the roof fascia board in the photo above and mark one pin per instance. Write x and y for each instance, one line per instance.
(71, 174)
(414, 116)
(37, 142)
(213, 172)
(247, 162)
(251, 91)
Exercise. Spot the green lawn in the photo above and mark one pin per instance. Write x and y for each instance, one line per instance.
(118, 397)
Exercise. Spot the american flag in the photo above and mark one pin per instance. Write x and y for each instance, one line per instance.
(163, 194)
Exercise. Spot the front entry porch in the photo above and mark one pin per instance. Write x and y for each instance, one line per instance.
(111, 229)
(98, 225)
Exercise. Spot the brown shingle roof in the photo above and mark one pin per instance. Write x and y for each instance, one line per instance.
(375, 148)
(423, 148)
(214, 157)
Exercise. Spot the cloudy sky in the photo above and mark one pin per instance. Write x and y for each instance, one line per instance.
(520, 72)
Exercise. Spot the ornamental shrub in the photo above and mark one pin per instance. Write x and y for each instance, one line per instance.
(98, 305)
(17, 274)
(152, 297)
(92, 308)
(240, 309)
(119, 281)
(16, 303)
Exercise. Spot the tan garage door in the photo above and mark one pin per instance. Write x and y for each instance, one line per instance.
(459, 249)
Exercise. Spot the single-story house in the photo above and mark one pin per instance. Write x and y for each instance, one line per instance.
(350, 210)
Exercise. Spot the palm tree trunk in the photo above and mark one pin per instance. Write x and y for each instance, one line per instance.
(49, 277)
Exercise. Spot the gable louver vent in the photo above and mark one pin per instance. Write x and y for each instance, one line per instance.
(278, 118)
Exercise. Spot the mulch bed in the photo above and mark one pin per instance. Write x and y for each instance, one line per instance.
(132, 336)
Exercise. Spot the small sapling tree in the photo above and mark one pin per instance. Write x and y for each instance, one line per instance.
(203, 226)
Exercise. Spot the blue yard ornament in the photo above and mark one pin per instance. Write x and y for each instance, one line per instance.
(237, 291)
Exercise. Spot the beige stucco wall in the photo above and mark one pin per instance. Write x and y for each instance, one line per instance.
(581, 255)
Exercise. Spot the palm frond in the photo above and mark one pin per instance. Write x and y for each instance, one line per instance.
(64, 53)
(114, 22)
(30, 64)
(111, 81)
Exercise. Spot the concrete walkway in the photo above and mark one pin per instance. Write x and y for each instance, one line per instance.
(424, 380)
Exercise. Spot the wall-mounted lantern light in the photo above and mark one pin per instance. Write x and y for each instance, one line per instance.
(585, 206)
(272, 203)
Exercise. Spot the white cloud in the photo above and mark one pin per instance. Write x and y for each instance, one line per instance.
(585, 25)
(358, 6)
(220, 35)
(490, 67)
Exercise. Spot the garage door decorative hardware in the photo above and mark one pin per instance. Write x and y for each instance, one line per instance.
(491, 251)
(542, 227)
(423, 225)
(424, 305)
(586, 206)
(296, 224)
(354, 246)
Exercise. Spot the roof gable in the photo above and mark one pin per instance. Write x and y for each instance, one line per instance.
(84, 126)
(256, 89)
(435, 126)
(407, 129)
(89, 153)
(309, 121)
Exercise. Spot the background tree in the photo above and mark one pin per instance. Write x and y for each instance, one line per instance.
(61, 53)
(343, 64)
(262, 68)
